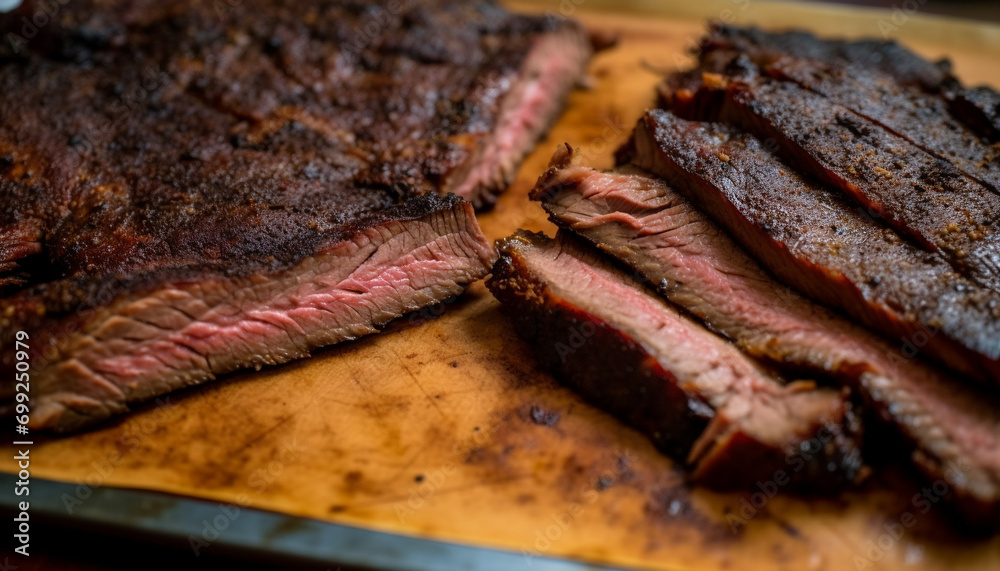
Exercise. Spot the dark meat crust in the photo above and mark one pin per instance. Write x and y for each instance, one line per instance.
(655, 230)
(176, 330)
(907, 111)
(925, 198)
(977, 108)
(731, 447)
(636, 390)
(885, 56)
(817, 242)
(275, 245)
(178, 125)
(146, 145)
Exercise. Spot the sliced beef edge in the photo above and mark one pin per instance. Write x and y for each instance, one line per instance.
(952, 424)
(693, 393)
(924, 198)
(551, 69)
(236, 213)
(168, 333)
(817, 242)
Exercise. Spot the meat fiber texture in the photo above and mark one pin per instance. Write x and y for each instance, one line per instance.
(815, 240)
(695, 394)
(191, 188)
(663, 238)
(853, 172)
(860, 175)
(884, 144)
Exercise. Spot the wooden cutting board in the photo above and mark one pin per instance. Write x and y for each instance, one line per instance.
(444, 427)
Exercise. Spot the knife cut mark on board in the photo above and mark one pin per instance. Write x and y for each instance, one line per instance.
(419, 386)
(255, 439)
(371, 401)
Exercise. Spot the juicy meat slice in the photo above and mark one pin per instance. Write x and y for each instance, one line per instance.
(923, 197)
(603, 333)
(953, 426)
(150, 147)
(820, 244)
(98, 348)
(538, 92)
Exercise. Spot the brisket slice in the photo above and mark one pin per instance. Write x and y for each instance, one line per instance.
(923, 197)
(537, 92)
(920, 117)
(143, 142)
(817, 242)
(885, 56)
(696, 395)
(954, 427)
(977, 108)
(429, 96)
(97, 347)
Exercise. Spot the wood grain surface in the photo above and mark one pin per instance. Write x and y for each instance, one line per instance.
(444, 427)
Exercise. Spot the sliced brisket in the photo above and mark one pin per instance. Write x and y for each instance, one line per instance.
(884, 56)
(953, 426)
(99, 346)
(921, 118)
(977, 108)
(695, 394)
(819, 243)
(440, 95)
(273, 171)
(925, 198)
